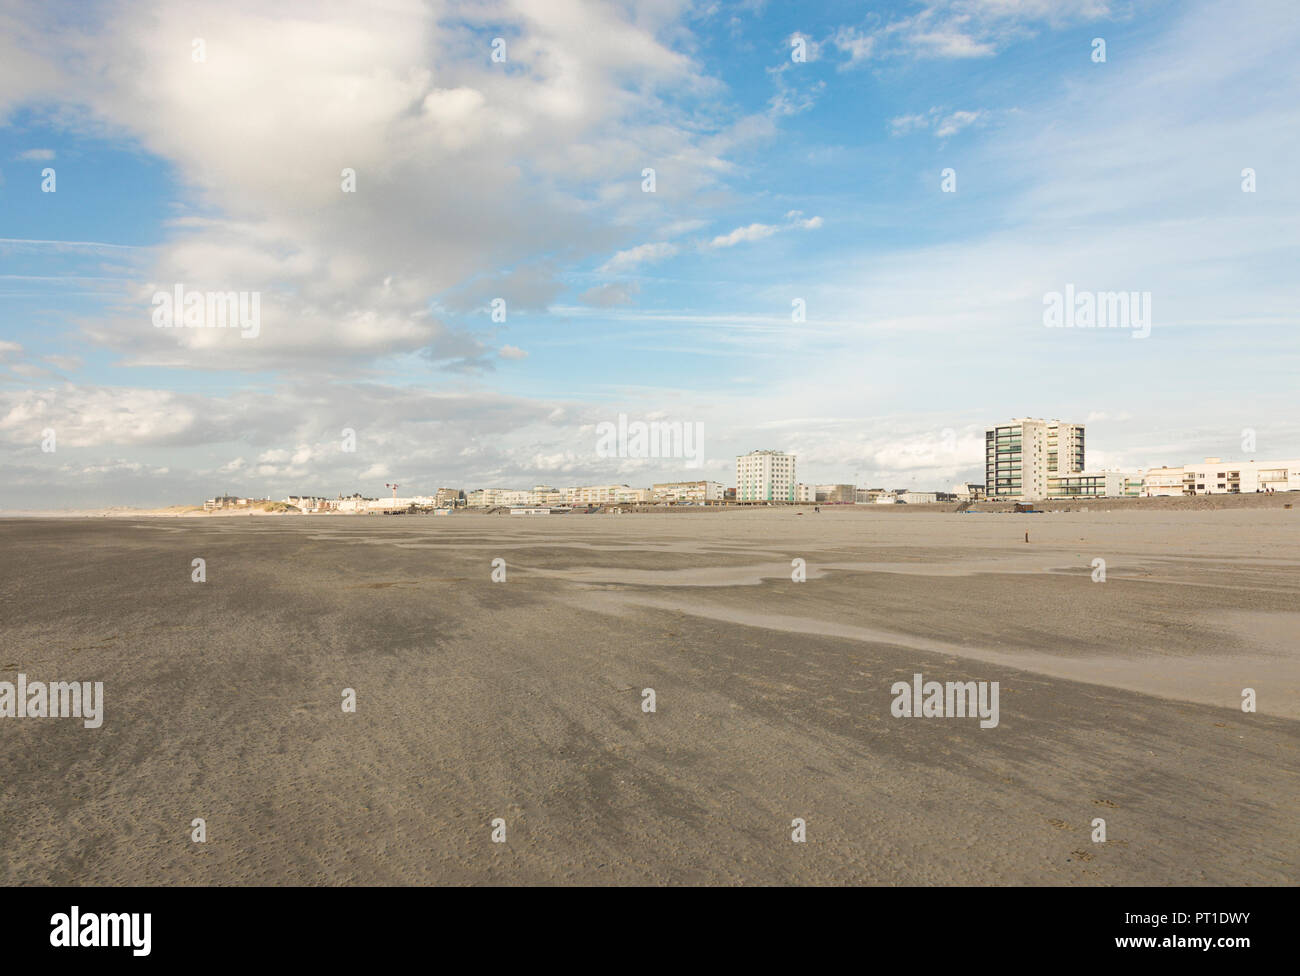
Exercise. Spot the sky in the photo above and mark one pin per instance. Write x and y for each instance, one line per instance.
(858, 213)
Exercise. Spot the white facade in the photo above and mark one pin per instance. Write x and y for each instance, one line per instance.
(1214, 476)
(689, 491)
(607, 495)
(536, 497)
(765, 476)
(805, 493)
(919, 497)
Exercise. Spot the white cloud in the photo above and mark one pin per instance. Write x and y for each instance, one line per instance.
(512, 352)
(752, 232)
(641, 254)
(941, 121)
(957, 121)
(404, 95)
(965, 28)
(758, 232)
(857, 45)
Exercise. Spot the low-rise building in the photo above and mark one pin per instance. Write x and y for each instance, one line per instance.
(1095, 484)
(836, 494)
(918, 497)
(688, 491)
(224, 501)
(1214, 476)
(449, 498)
(607, 495)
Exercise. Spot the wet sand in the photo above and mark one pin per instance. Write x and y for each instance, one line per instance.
(522, 699)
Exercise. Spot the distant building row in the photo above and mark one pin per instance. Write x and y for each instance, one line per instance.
(1030, 460)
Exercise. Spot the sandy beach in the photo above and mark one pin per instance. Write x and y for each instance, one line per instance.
(522, 699)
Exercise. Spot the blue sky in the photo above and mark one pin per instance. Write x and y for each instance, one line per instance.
(776, 180)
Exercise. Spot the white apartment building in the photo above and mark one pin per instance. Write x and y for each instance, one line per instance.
(607, 495)
(689, 491)
(1214, 476)
(545, 496)
(765, 476)
(805, 493)
(1021, 457)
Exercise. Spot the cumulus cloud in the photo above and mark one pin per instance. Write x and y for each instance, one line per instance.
(402, 99)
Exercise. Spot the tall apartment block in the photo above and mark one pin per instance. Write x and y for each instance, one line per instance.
(765, 476)
(1021, 458)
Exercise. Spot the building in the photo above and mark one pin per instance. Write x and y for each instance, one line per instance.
(837, 494)
(688, 491)
(546, 496)
(1162, 481)
(449, 498)
(1096, 484)
(607, 495)
(805, 493)
(1021, 458)
(968, 491)
(353, 503)
(919, 497)
(765, 476)
(1214, 476)
(224, 501)
(309, 503)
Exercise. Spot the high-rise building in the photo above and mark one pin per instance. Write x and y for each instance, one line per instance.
(1022, 457)
(765, 476)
